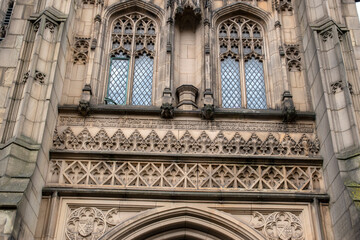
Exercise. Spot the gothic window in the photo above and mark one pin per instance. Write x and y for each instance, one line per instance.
(241, 64)
(131, 60)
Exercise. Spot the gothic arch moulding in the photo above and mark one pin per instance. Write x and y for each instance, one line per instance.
(135, 6)
(243, 9)
(170, 222)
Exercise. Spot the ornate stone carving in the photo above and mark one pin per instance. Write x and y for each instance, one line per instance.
(85, 223)
(351, 90)
(50, 25)
(337, 86)
(282, 5)
(184, 176)
(3, 29)
(39, 77)
(93, 2)
(127, 122)
(325, 35)
(279, 225)
(186, 144)
(84, 103)
(25, 77)
(36, 26)
(293, 57)
(194, 5)
(167, 110)
(207, 112)
(289, 111)
(81, 50)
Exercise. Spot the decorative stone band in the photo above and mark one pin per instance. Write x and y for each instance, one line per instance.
(186, 144)
(184, 176)
(223, 125)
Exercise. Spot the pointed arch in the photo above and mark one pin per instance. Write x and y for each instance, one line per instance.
(172, 222)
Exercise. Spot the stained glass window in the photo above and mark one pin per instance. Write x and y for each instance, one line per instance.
(241, 63)
(132, 61)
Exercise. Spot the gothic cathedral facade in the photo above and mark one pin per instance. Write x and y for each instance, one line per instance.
(179, 119)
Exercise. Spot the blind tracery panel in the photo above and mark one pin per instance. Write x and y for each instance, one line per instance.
(241, 56)
(132, 60)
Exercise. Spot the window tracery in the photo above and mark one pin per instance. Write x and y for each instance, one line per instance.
(241, 63)
(132, 60)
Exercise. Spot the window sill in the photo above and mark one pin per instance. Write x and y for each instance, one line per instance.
(264, 114)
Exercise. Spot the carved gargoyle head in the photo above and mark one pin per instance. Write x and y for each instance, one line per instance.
(167, 110)
(207, 112)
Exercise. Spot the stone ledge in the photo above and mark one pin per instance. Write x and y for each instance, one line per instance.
(10, 200)
(267, 114)
(178, 195)
(118, 155)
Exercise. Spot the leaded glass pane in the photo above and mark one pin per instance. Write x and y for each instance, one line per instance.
(255, 86)
(143, 76)
(118, 80)
(230, 83)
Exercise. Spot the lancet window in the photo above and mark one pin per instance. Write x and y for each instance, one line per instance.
(131, 60)
(241, 47)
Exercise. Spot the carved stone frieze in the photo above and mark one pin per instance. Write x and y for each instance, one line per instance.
(81, 50)
(126, 122)
(186, 144)
(278, 225)
(293, 57)
(184, 176)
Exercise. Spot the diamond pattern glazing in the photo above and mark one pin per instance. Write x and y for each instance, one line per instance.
(133, 38)
(143, 76)
(118, 80)
(230, 83)
(255, 87)
(241, 45)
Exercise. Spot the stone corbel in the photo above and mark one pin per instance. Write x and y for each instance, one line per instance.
(84, 104)
(288, 107)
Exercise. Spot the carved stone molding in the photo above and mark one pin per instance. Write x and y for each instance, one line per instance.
(186, 144)
(279, 225)
(282, 5)
(293, 57)
(184, 176)
(81, 50)
(126, 122)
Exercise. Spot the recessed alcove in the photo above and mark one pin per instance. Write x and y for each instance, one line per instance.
(188, 52)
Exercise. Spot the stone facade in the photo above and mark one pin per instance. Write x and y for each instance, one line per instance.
(179, 119)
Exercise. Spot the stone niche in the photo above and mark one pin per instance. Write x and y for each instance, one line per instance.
(188, 60)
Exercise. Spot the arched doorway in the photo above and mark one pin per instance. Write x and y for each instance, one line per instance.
(183, 223)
